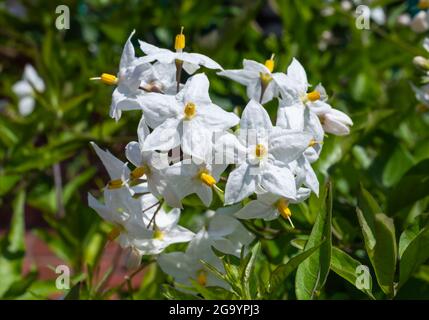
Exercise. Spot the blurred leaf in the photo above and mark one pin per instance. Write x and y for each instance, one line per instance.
(414, 253)
(398, 164)
(413, 186)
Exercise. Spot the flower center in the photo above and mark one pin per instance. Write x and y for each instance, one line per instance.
(265, 78)
(138, 172)
(202, 277)
(313, 96)
(158, 234)
(207, 179)
(179, 42)
(260, 151)
(115, 184)
(190, 110)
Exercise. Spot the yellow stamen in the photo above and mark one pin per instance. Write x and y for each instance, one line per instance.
(313, 95)
(423, 4)
(283, 208)
(270, 63)
(260, 151)
(158, 234)
(207, 179)
(107, 78)
(265, 78)
(202, 278)
(314, 142)
(115, 184)
(179, 42)
(190, 110)
(138, 173)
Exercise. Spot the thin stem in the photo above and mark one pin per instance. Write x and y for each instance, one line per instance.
(152, 220)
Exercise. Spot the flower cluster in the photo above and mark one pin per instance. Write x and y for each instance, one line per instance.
(186, 145)
(422, 92)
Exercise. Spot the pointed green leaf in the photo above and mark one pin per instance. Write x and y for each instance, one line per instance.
(312, 273)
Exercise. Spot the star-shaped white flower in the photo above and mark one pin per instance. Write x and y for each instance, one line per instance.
(150, 165)
(188, 119)
(187, 177)
(152, 238)
(191, 61)
(294, 89)
(259, 79)
(269, 151)
(187, 266)
(26, 88)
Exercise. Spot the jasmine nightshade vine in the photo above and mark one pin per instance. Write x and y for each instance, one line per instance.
(185, 144)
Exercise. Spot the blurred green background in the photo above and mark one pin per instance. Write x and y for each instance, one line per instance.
(367, 74)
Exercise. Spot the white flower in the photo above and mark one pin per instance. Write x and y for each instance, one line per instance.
(297, 118)
(294, 89)
(228, 234)
(269, 206)
(269, 150)
(187, 177)
(26, 88)
(188, 119)
(187, 266)
(420, 22)
(191, 62)
(152, 165)
(117, 170)
(261, 83)
(152, 238)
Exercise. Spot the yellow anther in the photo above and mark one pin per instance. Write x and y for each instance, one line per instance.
(115, 184)
(260, 151)
(138, 173)
(158, 234)
(283, 208)
(202, 278)
(207, 179)
(109, 79)
(313, 95)
(190, 110)
(179, 42)
(270, 63)
(423, 4)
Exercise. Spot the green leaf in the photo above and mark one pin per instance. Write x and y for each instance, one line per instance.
(12, 246)
(346, 267)
(366, 215)
(312, 273)
(413, 186)
(282, 272)
(382, 253)
(414, 253)
(398, 164)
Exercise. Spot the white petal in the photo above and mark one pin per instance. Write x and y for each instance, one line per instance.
(199, 59)
(298, 76)
(196, 90)
(279, 181)
(128, 54)
(22, 88)
(287, 146)
(164, 137)
(30, 74)
(196, 139)
(157, 108)
(291, 117)
(113, 165)
(241, 183)
(26, 105)
(215, 118)
(255, 67)
(241, 76)
(176, 264)
(205, 193)
(133, 153)
(255, 117)
(255, 209)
